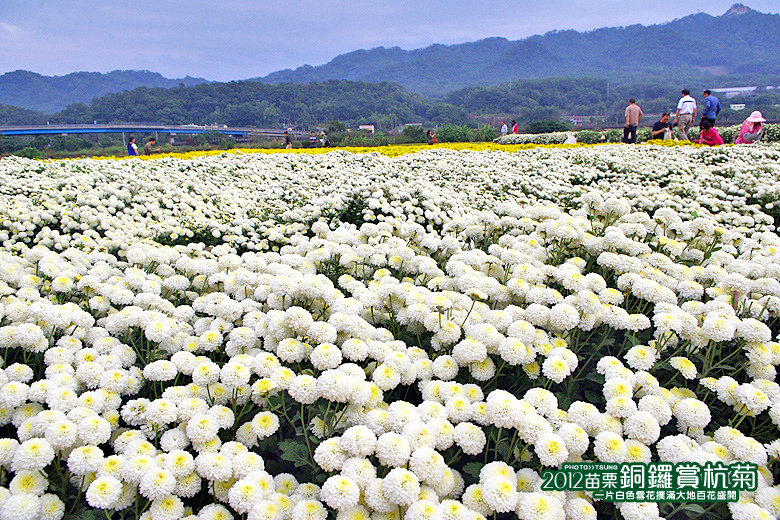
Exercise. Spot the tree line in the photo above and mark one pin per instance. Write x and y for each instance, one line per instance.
(386, 105)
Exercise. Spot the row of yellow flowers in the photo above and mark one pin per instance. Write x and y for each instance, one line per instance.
(390, 150)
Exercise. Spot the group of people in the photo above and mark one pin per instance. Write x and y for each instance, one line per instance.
(751, 131)
(315, 142)
(505, 128)
(132, 148)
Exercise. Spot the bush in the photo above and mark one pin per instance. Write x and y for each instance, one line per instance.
(68, 143)
(30, 152)
(453, 134)
(545, 127)
(412, 134)
(589, 136)
(485, 133)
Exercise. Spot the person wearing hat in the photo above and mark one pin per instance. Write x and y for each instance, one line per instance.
(752, 130)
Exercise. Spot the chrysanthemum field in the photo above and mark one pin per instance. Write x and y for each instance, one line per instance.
(355, 336)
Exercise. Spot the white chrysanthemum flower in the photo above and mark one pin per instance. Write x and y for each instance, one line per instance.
(265, 424)
(26, 481)
(577, 508)
(609, 447)
(245, 495)
(556, 368)
(423, 510)
(752, 398)
(23, 506)
(692, 413)
(642, 426)
(551, 450)
(641, 357)
(685, 366)
(329, 456)
(340, 492)
(52, 508)
(234, 375)
(539, 506)
(157, 483)
(103, 492)
(32, 454)
(400, 486)
(563, 317)
(325, 356)
(303, 388)
(500, 494)
(358, 441)
(621, 406)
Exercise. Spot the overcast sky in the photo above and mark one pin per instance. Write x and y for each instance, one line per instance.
(237, 39)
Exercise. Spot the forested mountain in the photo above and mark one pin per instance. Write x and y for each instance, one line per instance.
(739, 45)
(52, 93)
(387, 105)
(20, 116)
(543, 77)
(248, 103)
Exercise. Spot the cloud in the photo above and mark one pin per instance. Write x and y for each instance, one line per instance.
(6, 29)
(248, 38)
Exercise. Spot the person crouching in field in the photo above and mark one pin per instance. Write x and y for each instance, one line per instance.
(709, 135)
(752, 130)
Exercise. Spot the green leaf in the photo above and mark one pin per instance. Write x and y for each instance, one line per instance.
(472, 469)
(693, 510)
(294, 452)
(595, 377)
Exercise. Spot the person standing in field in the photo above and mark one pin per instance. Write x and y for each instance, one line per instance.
(287, 140)
(686, 114)
(148, 146)
(132, 148)
(313, 141)
(633, 115)
(504, 129)
(712, 108)
(515, 129)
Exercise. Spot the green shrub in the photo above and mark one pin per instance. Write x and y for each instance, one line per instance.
(484, 133)
(588, 136)
(30, 153)
(453, 134)
(546, 127)
(412, 134)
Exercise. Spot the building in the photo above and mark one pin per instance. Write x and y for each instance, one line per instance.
(731, 92)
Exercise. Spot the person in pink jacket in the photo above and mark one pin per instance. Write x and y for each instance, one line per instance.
(751, 130)
(709, 135)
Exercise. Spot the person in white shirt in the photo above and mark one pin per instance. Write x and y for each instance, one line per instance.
(504, 128)
(686, 114)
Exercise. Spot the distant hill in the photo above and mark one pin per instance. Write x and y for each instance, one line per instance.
(738, 44)
(20, 116)
(50, 94)
(249, 103)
